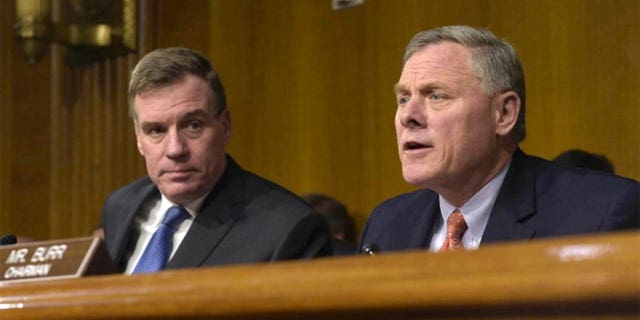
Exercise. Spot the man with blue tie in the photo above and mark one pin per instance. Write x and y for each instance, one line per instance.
(197, 207)
(459, 120)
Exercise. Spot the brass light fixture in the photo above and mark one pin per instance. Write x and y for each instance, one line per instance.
(92, 29)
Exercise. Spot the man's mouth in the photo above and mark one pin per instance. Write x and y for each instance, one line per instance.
(412, 145)
(178, 173)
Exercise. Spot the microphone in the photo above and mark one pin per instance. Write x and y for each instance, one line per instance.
(370, 249)
(8, 239)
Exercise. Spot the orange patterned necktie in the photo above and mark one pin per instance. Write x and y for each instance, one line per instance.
(456, 226)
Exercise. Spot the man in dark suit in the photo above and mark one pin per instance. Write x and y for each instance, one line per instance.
(459, 122)
(340, 223)
(197, 207)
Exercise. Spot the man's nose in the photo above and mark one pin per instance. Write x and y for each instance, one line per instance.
(176, 145)
(413, 113)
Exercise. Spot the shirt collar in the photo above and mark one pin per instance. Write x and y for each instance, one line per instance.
(192, 207)
(477, 210)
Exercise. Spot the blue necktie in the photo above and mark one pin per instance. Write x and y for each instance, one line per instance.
(158, 250)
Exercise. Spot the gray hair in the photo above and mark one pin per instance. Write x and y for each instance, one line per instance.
(164, 67)
(494, 61)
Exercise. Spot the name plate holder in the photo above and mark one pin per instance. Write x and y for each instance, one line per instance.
(55, 259)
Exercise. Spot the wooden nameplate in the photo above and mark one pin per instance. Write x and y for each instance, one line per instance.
(56, 259)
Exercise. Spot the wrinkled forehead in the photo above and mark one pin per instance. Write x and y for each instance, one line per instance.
(188, 88)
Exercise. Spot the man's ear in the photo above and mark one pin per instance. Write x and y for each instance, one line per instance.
(507, 109)
(138, 135)
(225, 120)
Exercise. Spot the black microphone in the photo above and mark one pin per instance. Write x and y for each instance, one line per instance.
(8, 239)
(370, 249)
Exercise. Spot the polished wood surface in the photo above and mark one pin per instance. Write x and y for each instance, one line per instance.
(592, 277)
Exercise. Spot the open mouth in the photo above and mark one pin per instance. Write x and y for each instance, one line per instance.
(412, 145)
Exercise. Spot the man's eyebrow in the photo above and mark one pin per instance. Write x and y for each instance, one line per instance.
(399, 87)
(422, 87)
(196, 113)
(149, 124)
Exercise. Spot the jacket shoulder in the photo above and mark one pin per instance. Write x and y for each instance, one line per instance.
(127, 193)
(405, 203)
(581, 200)
(402, 222)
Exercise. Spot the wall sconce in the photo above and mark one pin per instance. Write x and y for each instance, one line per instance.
(92, 29)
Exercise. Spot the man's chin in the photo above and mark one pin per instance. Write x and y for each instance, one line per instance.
(181, 195)
(416, 178)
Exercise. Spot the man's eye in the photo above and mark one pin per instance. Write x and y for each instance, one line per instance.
(195, 125)
(437, 96)
(154, 131)
(403, 100)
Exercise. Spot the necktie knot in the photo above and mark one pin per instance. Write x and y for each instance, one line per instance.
(174, 216)
(456, 227)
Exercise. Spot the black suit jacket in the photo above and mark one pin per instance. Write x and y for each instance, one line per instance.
(538, 198)
(244, 219)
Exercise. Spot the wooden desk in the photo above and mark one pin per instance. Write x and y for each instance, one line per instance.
(594, 277)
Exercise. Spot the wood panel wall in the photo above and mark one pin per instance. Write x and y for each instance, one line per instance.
(92, 135)
(24, 132)
(67, 140)
(5, 88)
(310, 94)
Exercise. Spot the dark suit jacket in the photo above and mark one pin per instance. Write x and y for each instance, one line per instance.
(343, 248)
(243, 219)
(538, 198)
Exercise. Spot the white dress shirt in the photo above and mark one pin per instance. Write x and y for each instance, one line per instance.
(476, 213)
(149, 220)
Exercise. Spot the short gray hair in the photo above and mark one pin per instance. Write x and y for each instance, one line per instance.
(494, 61)
(164, 67)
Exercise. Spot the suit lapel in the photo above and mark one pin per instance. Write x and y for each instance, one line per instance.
(514, 206)
(127, 214)
(219, 212)
(423, 225)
